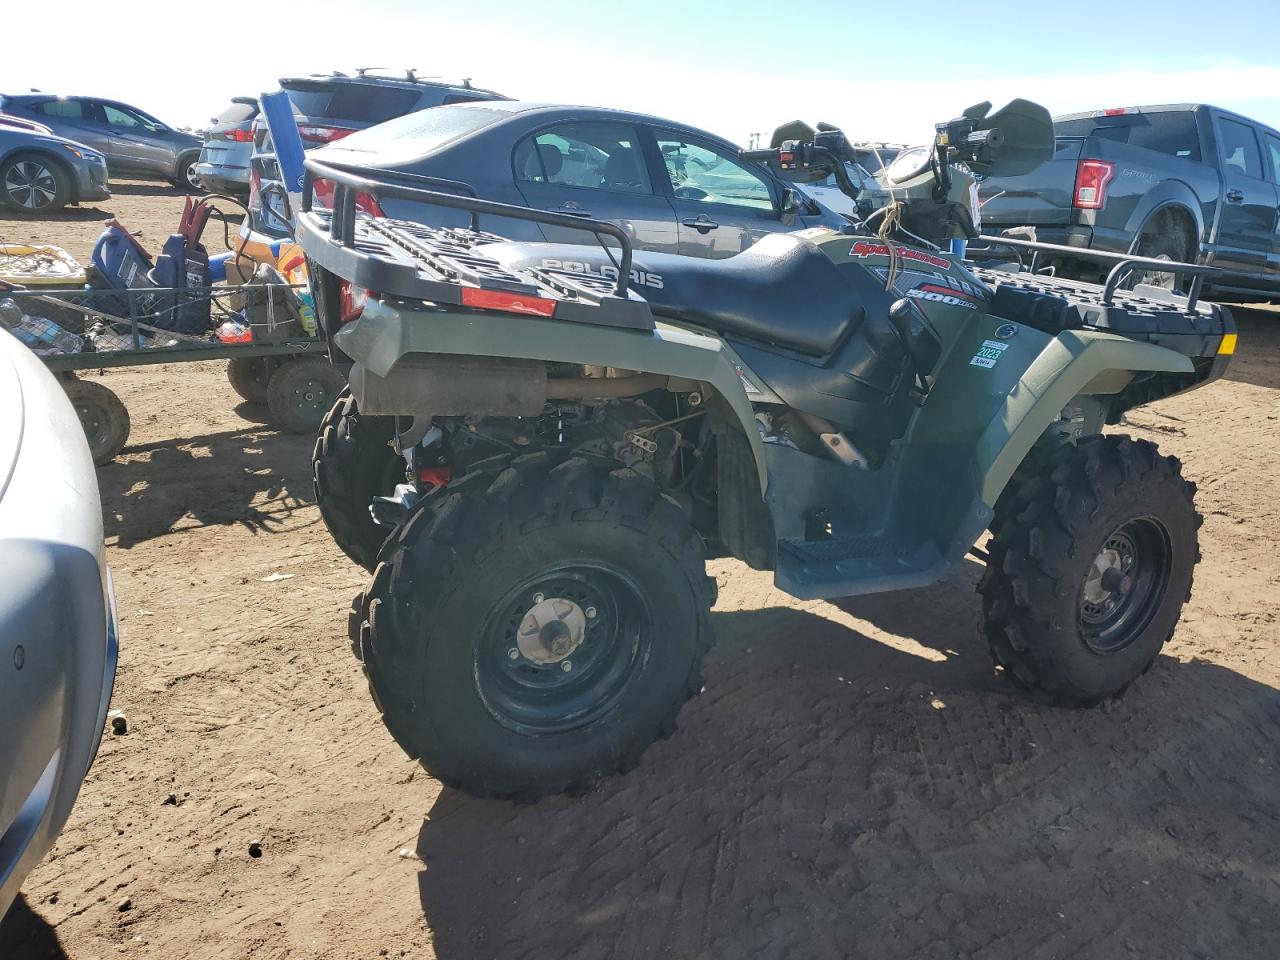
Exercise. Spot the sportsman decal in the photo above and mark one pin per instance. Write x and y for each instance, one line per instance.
(865, 248)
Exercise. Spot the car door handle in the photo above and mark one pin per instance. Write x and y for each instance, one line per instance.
(700, 223)
(573, 212)
(1235, 196)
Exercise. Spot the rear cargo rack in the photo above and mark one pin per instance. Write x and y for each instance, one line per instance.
(350, 181)
(450, 266)
(1123, 265)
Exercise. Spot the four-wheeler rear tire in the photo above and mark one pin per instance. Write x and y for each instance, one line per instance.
(1091, 558)
(249, 376)
(301, 391)
(353, 462)
(103, 416)
(32, 183)
(535, 625)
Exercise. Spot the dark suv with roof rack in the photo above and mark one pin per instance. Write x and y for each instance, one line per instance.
(328, 108)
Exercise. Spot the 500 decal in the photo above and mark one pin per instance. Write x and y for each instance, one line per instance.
(936, 293)
(639, 278)
(864, 248)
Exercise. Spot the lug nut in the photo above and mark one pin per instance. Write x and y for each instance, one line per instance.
(567, 666)
(539, 597)
(513, 653)
(591, 613)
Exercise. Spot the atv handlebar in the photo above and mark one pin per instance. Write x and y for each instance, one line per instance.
(769, 154)
(348, 181)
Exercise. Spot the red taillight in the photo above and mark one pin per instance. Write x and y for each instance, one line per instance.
(322, 196)
(436, 476)
(507, 302)
(313, 134)
(1115, 112)
(1092, 177)
(351, 300)
(238, 135)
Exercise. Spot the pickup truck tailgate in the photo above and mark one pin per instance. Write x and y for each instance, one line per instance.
(1040, 198)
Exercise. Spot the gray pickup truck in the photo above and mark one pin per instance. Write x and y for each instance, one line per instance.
(1185, 182)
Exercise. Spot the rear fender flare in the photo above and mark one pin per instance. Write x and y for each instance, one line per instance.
(1170, 195)
(1064, 370)
(383, 334)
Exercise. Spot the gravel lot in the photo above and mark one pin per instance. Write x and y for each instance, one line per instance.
(854, 782)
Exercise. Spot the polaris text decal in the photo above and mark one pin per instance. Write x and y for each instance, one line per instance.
(864, 249)
(639, 278)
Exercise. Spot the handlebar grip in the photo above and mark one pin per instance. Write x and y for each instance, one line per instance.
(770, 154)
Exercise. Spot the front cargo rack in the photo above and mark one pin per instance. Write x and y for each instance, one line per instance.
(449, 266)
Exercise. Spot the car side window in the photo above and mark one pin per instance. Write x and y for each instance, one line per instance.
(127, 119)
(700, 173)
(66, 109)
(598, 156)
(1273, 154)
(1238, 148)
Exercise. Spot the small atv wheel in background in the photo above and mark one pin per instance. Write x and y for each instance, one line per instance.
(353, 462)
(249, 376)
(1091, 559)
(301, 391)
(102, 414)
(535, 625)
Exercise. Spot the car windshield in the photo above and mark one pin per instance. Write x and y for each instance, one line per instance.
(365, 102)
(417, 134)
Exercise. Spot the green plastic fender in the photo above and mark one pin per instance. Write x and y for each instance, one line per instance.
(384, 333)
(1061, 372)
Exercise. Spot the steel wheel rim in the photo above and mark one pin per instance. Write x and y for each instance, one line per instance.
(570, 685)
(1125, 585)
(93, 421)
(31, 185)
(311, 395)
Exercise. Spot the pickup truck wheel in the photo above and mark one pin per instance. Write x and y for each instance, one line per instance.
(1170, 243)
(353, 462)
(535, 625)
(1091, 559)
(103, 416)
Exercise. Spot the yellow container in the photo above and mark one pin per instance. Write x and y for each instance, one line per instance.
(42, 265)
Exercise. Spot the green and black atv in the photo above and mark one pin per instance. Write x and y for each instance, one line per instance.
(536, 461)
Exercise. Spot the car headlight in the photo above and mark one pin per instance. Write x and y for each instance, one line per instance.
(908, 164)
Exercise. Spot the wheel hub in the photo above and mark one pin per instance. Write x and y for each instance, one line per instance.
(1124, 586)
(551, 630)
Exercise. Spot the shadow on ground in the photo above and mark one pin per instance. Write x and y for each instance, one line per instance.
(1257, 359)
(67, 214)
(25, 935)
(835, 795)
(254, 477)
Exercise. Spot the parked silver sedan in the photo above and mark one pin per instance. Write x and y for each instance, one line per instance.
(57, 613)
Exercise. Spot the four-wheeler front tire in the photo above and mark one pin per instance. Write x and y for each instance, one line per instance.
(535, 625)
(103, 416)
(33, 183)
(301, 390)
(353, 462)
(1091, 558)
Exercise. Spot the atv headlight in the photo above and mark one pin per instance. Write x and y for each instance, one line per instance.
(908, 164)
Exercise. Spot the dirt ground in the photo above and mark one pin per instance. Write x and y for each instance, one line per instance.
(854, 782)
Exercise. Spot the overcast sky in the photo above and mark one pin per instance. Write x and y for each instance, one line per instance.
(879, 70)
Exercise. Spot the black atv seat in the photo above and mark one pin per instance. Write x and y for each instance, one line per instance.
(782, 291)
